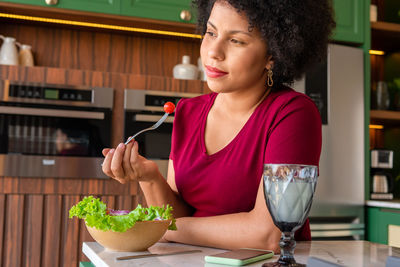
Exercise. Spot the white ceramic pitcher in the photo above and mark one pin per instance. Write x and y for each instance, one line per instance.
(8, 51)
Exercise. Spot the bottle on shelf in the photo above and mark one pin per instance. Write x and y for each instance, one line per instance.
(185, 70)
(25, 56)
(382, 96)
(8, 51)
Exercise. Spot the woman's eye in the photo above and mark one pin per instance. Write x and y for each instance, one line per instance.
(210, 33)
(235, 41)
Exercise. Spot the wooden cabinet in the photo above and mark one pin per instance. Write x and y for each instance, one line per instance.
(349, 20)
(382, 223)
(103, 6)
(350, 14)
(172, 10)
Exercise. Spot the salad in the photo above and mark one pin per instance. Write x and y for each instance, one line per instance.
(96, 214)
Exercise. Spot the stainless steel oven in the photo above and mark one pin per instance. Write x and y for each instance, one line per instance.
(52, 130)
(143, 108)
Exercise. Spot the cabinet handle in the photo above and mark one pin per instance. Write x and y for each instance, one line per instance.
(51, 2)
(390, 210)
(186, 15)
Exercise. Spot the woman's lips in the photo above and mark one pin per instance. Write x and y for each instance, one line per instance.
(214, 72)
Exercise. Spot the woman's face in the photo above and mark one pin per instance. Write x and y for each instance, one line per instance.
(234, 58)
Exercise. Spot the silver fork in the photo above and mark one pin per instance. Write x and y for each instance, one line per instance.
(154, 126)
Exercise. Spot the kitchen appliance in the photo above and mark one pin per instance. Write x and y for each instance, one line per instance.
(337, 88)
(381, 158)
(142, 109)
(382, 181)
(53, 130)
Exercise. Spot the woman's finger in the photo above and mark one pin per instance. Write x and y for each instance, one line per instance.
(129, 173)
(106, 167)
(116, 163)
(105, 151)
(135, 156)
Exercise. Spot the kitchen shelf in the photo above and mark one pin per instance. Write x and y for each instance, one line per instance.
(385, 115)
(385, 36)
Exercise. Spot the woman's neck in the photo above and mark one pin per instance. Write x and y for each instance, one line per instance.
(240, 103)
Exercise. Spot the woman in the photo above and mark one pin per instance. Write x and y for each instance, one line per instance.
(221, 140)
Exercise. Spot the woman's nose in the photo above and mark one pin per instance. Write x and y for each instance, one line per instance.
(216, 50)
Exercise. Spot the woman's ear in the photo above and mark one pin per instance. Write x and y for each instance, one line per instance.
(270, 63)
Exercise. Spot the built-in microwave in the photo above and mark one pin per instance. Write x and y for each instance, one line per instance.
(53, 130)
(143, 108)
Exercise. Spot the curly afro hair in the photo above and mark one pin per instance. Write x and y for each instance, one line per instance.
(296, 32)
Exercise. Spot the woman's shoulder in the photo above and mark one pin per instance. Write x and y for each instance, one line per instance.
(289, 99)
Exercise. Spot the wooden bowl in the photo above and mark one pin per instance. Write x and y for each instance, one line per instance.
(138, 238)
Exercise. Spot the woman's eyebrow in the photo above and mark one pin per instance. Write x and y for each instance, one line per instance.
(231, 32)
(212, 25)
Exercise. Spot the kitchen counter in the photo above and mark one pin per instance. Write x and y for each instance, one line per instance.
(348, 253)
(390, 204)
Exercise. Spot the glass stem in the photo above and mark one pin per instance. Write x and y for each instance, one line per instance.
(287, 244)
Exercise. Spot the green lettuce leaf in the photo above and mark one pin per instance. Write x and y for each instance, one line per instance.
(94, 211)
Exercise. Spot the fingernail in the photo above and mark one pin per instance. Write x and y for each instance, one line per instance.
(121, 145)
(111, 151)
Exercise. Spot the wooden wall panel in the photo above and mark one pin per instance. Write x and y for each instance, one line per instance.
(124, 202)
(377, 69)
(2, 221)
(51, 230)
(45, 186)
(39, 232)
(103, 51)
(376, 138)
(69, 254)
(32, 232)
(13, 231)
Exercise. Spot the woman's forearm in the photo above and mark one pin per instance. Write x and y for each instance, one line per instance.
(231, 231)
(158, 192)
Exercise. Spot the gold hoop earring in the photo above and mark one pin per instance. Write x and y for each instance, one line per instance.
(270, 81)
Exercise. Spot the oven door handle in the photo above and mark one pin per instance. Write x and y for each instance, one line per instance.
(47, 112)
(152, 118)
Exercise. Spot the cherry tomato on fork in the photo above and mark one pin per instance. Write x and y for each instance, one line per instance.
(169, 107)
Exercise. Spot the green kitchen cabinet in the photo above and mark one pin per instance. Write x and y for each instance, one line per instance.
(349, 13)
(379, 220)
(349, 16)
(171, 10)
(101, 6)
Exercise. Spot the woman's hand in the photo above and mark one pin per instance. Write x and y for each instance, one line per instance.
(124, 164)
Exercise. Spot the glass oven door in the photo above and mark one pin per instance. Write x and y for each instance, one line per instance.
(53, 132)
(152, 144)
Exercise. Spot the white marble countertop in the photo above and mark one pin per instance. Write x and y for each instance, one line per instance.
(347, 253)
(391, 204)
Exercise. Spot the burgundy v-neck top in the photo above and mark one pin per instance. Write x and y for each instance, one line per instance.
(284, 128)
